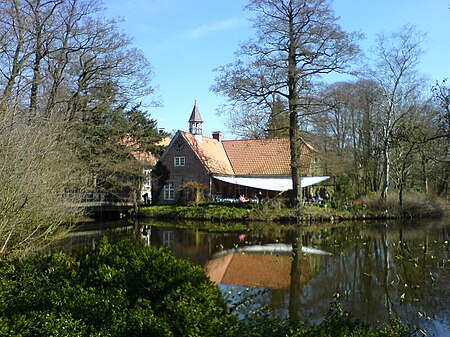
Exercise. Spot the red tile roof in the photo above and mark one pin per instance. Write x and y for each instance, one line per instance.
(259, 156)
(249, 157)
(144, 157)
(210, 152)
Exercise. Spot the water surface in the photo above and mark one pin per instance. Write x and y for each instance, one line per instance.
(378, 270)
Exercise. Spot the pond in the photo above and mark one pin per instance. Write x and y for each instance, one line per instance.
(376, 269)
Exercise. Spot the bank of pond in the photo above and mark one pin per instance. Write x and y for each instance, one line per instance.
(276, 211)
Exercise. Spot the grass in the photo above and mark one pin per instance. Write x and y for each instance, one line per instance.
(365, 208)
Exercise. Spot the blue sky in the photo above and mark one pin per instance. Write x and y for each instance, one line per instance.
(184, 40)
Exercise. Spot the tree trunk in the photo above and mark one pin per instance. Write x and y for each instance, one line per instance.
(37, 63)
(425, 176)
(386, 168)
(293, 78)
(295, 169)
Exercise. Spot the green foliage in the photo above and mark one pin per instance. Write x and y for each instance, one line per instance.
(144, 130)
(119, 289)
(344, 192)
(192, 193)
(107, 139)
(125, 289)
(160, 174)
(218, 212)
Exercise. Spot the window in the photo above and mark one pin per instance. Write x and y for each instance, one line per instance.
(169, 191)
(179, 161)
(148, 179)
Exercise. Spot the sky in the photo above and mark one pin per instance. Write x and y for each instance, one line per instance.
(185, 40)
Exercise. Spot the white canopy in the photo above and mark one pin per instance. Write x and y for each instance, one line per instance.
(271, 184)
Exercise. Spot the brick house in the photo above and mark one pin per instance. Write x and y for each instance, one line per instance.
(229, 168)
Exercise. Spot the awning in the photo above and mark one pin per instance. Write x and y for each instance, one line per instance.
(271, 184)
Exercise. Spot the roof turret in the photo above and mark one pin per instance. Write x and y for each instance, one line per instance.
(195, 121)
(195, 115)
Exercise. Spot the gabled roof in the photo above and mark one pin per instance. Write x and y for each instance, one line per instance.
(259, 156)
(144, 157)
(210, 152)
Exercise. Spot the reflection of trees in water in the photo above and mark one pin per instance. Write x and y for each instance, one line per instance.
(379, 272)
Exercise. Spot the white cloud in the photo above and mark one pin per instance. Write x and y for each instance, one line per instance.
(211, 28)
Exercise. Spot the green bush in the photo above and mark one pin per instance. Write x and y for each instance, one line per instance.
(119, 289)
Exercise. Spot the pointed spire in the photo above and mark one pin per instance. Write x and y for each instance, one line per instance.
(195, 121)
(195, 115)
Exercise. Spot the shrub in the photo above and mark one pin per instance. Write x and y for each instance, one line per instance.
(344, 192)
(192, 193)
(120, 289)
(415, 204)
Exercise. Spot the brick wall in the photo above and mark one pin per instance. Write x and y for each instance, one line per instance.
(193, 169)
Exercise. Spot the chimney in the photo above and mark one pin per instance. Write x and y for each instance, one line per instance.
(217, 135)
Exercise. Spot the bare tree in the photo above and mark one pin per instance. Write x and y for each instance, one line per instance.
(54, 53)
(395, 72)
(67, 76)
(296, 40)
(37, 172)
(346, 133)
(442, 120)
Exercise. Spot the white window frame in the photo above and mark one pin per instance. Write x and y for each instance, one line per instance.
(179, 161)
(148, 179)
(169, 191)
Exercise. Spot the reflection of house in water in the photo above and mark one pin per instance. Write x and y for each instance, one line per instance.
(194, 245)
(270, 271)
(272, 266)
(168, 238)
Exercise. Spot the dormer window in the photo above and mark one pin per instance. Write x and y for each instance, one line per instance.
(179, 161)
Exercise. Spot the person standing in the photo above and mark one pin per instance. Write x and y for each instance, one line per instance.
(260, 198)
